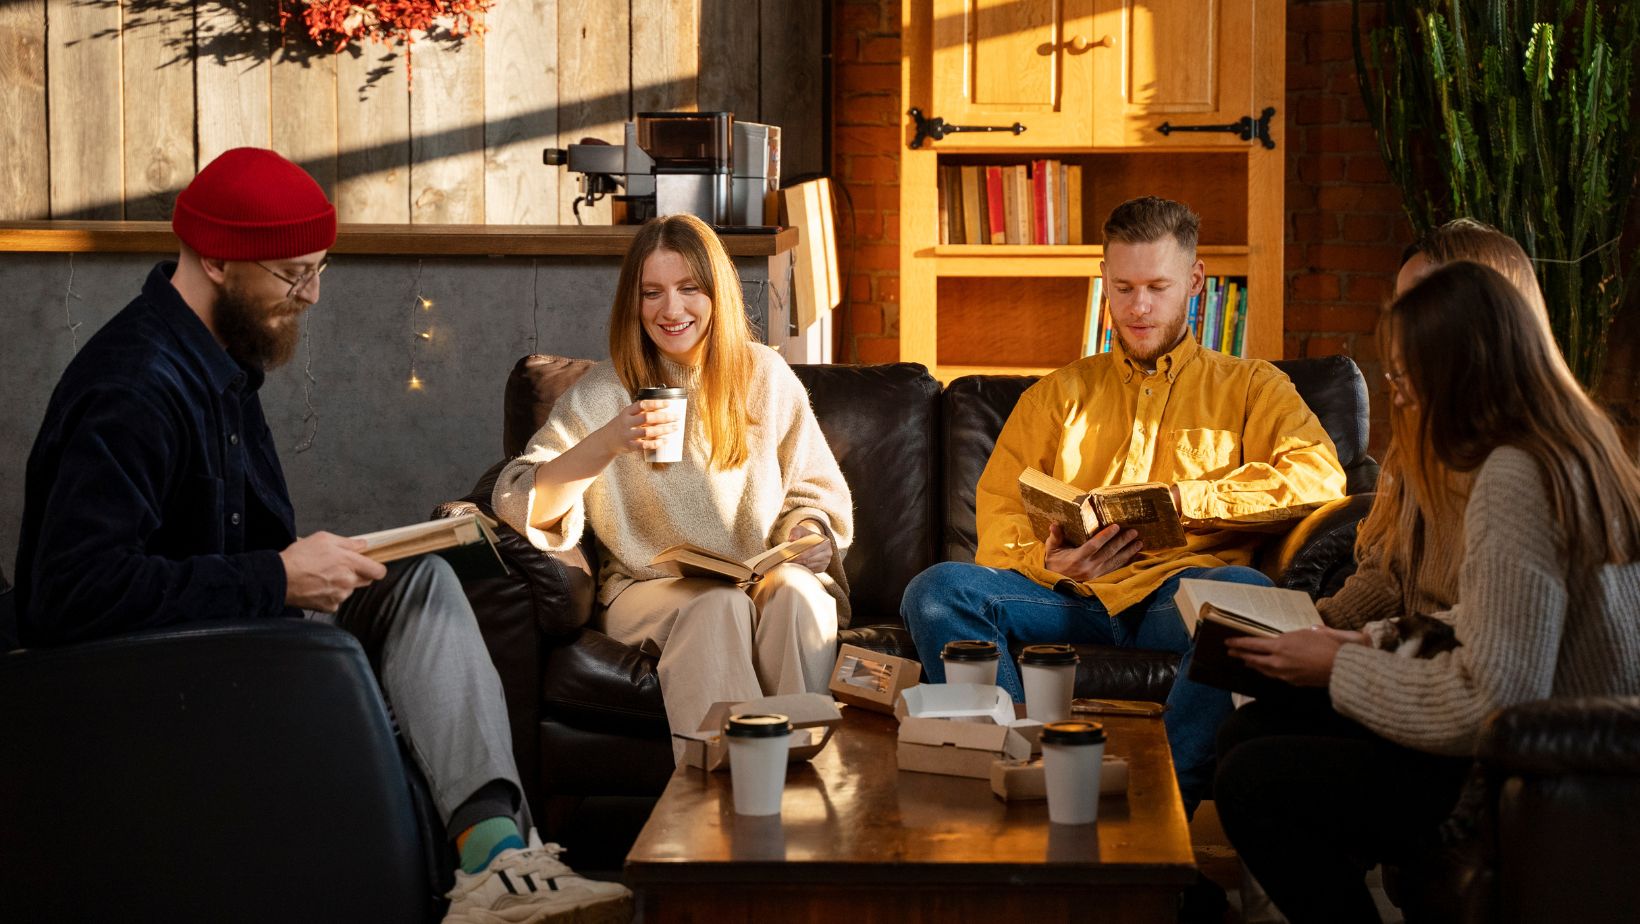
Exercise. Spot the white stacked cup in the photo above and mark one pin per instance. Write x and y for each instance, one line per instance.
(758, 745)
(970, 661)
(1049, 675)
(677, 400)
(1072, 753)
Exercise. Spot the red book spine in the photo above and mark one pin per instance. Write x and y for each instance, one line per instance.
(993, 201)
(1039, 201)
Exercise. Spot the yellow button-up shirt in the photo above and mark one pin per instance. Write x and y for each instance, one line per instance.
(1232, 433)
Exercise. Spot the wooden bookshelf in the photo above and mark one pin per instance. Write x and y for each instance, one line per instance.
(1091, 80)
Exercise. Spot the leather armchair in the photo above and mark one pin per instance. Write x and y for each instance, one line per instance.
(235, 771)
(589, 730)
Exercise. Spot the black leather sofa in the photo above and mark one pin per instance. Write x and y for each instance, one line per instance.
(587, 719)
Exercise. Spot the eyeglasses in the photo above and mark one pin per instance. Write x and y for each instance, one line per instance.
(300, 282)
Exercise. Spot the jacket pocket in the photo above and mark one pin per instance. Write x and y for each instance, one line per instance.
(1205, 453)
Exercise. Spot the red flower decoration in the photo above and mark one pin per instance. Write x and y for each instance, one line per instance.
(335, 24)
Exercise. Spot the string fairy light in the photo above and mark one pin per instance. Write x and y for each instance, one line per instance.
(535, 305)
(68, 313)
(419, 304)
(310, 418)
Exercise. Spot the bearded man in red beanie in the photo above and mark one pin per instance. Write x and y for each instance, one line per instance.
(154, 497)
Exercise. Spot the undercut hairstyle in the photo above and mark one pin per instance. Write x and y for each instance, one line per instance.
(1148, 219)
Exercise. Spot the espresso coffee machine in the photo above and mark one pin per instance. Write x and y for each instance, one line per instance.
(700, 163)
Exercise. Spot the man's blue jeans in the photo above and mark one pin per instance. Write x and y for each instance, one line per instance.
(955, 600)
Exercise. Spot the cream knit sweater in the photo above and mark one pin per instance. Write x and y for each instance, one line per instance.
(637, 509)
(1528, 629)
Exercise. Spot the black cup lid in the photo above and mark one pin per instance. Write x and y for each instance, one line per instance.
(758, 725)
(1073, 733)
(662, 393)
(1048, 655)
(970, 650)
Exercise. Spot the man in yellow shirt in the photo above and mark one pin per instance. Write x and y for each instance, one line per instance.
(1231, 436)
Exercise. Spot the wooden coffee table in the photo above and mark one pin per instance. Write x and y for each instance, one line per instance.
(860, 841)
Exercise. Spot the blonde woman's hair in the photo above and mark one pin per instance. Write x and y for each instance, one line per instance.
(726, 363)
(1395, 525)
(1486, 373)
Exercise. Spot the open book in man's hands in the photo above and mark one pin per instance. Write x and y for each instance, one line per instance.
(467, 541)
(1217, 611)
(685, 560)
(1145, 508)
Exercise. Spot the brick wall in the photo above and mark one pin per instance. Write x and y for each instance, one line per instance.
(1345, 227)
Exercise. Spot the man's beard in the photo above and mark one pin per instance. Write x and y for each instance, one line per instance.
(1170, 339)
(256, 335)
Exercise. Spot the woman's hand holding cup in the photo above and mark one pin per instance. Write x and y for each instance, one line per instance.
(642, 426)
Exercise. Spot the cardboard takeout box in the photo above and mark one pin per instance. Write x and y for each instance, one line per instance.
(960, 729)
(870, 679)
(1024, 780)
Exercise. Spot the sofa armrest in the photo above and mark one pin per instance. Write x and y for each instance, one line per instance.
(1558, 737)
(209, 755)
(1319, 553)
(553, 590)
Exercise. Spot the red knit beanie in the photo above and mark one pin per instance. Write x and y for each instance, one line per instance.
(252, 204)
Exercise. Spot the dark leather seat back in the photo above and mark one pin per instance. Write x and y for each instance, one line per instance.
(977, 406)
(242, 772)
(882, 423)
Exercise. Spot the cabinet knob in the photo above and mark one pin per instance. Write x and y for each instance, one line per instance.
(1079, 44)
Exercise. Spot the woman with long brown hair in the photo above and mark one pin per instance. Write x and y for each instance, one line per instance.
(756, 471)
(1547, 603)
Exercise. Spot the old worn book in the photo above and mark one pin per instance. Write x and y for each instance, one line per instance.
(1145, 508)
(1217, 611)
(685, 560)
(467, 541)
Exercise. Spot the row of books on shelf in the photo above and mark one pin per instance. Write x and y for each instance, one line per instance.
(1035, 203)
(1218, 316)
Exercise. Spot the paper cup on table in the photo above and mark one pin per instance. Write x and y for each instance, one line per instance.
(970, 661)
(1071, 756)
(677, 400)
(1049, 675)
(758, 743)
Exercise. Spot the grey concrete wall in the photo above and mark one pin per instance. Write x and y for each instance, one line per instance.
(361, 450)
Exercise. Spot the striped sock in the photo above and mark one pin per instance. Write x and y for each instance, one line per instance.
(480, 843)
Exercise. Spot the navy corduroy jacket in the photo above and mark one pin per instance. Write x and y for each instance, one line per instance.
(153, 494)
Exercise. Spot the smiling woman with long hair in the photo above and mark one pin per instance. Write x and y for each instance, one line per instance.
(1547, 603)
(756, 471)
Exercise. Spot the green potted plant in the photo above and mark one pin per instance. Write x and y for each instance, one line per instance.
(1519, 113)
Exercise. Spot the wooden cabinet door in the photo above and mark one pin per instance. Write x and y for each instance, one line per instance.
(1184, 62)
(997, 62)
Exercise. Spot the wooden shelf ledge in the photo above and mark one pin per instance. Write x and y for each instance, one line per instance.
(394, 240)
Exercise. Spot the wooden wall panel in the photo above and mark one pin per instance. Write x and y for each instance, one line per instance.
(729, 58)
(793, 95)
(158, 63)
(447, 132)
(665, 55)
(231, 82)
(521, 112)
(372, 136)
(302, 113)
(83, 80)
(595, 80)
(24, 193)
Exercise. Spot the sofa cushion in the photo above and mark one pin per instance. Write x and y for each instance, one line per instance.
(882, 423)
(595, 682)
(533, 387)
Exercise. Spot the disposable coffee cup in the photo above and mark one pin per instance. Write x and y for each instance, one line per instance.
(677, 400)
(758, 744)
(1049, 674)
(970, 661)
(1071, 757)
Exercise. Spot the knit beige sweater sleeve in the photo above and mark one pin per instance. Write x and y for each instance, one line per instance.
(637, 509)
(1510, 618)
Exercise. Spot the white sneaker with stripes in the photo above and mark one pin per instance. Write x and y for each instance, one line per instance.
(532, 886)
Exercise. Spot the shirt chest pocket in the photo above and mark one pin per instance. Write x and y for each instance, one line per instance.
(1205, 453)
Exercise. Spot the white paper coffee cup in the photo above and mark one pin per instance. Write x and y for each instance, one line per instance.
(677, 400)
(970, 661)
(1049, 676)
(1071, 756)
(758, 746)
